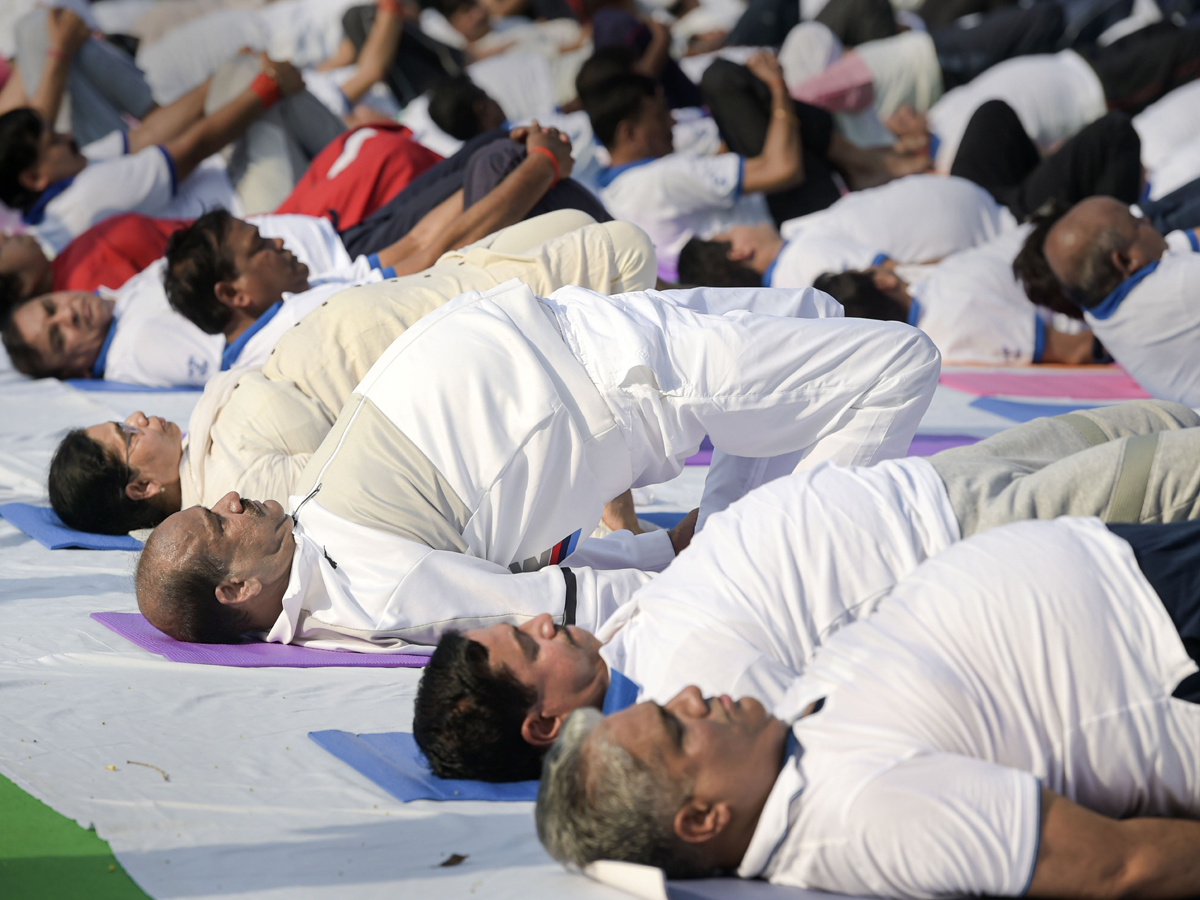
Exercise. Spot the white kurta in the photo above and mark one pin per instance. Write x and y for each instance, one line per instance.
(1057, 670)
(532, 414)
(772, 577)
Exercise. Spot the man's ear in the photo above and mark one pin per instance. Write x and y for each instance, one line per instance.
(737, 254)
(235, 593)
(626, 133)
(229, 294)
(540, 730)
(698, 822)
(1124, 263)
(142, 489)
(33, 180)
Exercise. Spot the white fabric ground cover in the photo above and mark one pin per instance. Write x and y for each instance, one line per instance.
(251, 808)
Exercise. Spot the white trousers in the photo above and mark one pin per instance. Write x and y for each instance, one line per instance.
(775, 394)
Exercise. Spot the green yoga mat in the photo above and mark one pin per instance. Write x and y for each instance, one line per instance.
(43, 854)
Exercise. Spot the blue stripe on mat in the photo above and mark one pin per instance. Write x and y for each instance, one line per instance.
(1018, 411)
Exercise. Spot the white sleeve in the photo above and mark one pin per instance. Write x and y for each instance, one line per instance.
(650, 552)
(112, 145)
(799, 303)
(691, 184)
(163, 351)
(142, 183)
(1183, 240)
(942, 825)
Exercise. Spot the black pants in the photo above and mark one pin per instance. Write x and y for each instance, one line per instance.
(492, 164)
(397, 217)
(1169, 557)
(1143, 66)
(420, 61)
(741, 105)
(766, 23)
(997, 154)
(941, 13)
(965, 52)
(1178, 209)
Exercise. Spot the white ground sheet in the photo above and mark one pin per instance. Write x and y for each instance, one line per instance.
(252, 808)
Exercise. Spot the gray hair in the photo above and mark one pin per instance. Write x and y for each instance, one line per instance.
(598, 801)
(1097, 276)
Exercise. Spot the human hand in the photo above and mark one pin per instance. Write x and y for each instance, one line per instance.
(553, 140)
(283, 73)
(765, 67)
(66, 31)
(681, 534)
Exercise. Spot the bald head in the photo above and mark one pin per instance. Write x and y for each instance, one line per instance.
(1096, 245)
(177, 581)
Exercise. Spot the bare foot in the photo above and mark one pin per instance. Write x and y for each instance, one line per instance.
(620, 514)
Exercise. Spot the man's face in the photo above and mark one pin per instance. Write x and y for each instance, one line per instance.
(66, 329)
(727, 750)
(891, 284)
(58, 158)
(265, 269)
(22, 258)
(154, 451)
(252, 538)
(562, 663)
(653, 130)
(1071, 237)
(471, 21)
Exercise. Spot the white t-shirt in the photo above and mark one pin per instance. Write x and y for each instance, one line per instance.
(1151, 324)
(116, 181)
(836, 540)
(975, 683)
(1168, 124)
(154, 345)
(679, 197)
(1053, 94)
(976, 311)
(916, 219)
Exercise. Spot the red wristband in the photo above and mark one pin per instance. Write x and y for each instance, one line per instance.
(267, 89)
(392, 6)
(549, 154)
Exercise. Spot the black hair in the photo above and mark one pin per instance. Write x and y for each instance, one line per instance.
(24, 358)
(186, 596)
(449, 7)
(1033, 270)
(707, 264)
(197, 259)
(87, 489)
(468, 717)
(856, 291)
(606, 62)
(614, 100)
(10, 293)
(454, 107)
(20, 134)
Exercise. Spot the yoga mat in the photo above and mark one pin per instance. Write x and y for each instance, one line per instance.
(1018, 411)
(1109, 383)
(99, 384)
(43, 525)
(255, 654)
(703, 456)
(393, 762)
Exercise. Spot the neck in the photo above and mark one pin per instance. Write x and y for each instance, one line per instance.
(268, 605)
(237, 324)
(730, 846)
(627, 154)
(760, 262)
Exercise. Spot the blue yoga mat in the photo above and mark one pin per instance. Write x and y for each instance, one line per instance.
(44, 526)
(99, 384)
(1018, 411)
(393, 762)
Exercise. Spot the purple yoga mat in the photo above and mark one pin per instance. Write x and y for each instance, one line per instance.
(929, 444)
(134, 627)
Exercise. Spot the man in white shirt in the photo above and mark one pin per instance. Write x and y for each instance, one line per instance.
(456, 503)
(970, 304)
(1137, 291)
(915, 219)
(1019, 716)
(488, 706)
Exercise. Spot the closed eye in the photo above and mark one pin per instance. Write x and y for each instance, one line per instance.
(673, 726)
(527, 644)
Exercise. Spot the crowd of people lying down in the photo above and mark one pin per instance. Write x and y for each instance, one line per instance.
(450, 279)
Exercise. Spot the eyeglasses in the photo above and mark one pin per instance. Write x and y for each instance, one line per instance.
(128, 431)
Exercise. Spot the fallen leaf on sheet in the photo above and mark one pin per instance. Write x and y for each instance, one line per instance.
(166, 777)
(111, 768)
(454, 859)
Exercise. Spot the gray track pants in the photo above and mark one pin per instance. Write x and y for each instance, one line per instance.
(1133, 462)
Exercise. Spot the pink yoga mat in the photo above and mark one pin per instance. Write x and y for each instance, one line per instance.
(1097, 383)
(258, 654)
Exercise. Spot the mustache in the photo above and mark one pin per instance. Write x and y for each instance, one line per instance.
(248, 507)
(562, 629)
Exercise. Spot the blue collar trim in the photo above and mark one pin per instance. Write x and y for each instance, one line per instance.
(914, 312)
(234, 349)
(609, 174)
(1106, 307)
(770, 273)
(38, 211)
(621, 694)
(101, 362)
(879, 260)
